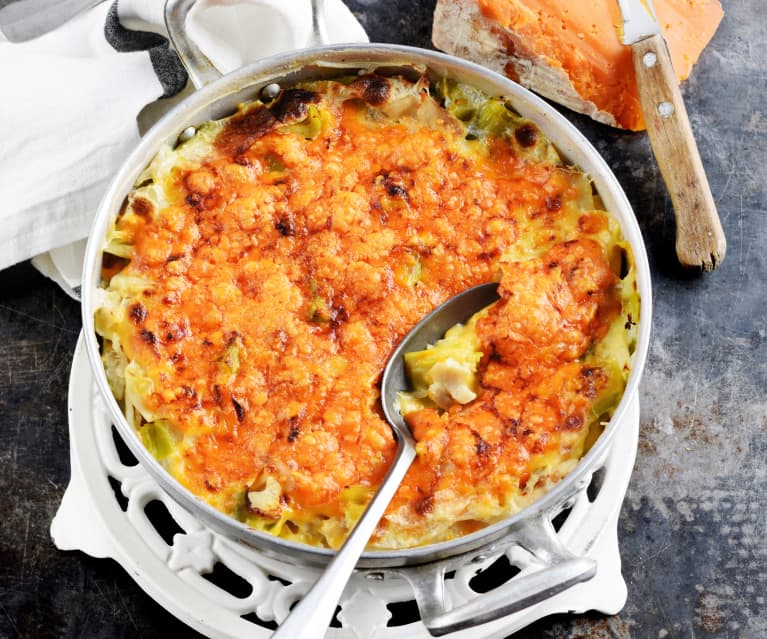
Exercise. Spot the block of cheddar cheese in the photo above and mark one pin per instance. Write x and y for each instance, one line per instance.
(571, 52)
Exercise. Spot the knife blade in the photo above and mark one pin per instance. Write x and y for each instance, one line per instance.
(700, 240)
(27, 19)
(639, 20)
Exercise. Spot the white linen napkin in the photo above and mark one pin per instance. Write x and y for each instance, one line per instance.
(71, 99)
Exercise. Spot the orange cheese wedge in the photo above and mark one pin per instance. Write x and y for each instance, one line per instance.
(571, 51)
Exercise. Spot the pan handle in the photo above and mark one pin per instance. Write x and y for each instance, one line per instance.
(561, 570)
(201, 70)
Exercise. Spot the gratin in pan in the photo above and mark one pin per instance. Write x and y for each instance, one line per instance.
(218, 96)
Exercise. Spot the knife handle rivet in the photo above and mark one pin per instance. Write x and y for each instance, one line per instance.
(649, 59)
(666, 109)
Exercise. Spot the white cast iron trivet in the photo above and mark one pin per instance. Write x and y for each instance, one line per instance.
(224, 589)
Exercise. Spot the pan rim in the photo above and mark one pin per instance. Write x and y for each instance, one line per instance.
(567, 138)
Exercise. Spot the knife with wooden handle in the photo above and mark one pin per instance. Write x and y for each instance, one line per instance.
(700, 240)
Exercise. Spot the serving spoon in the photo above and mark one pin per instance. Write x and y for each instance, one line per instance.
(312, 615)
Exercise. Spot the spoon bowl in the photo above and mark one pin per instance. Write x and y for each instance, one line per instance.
(457, 310)
(316, 608)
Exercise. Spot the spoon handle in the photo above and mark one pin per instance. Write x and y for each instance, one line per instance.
(312, 615)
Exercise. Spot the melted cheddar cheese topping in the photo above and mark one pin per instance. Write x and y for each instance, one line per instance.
(261, 273)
